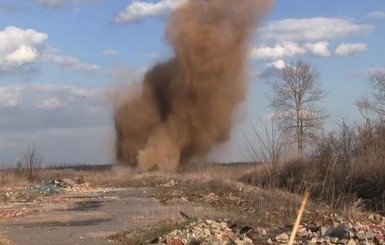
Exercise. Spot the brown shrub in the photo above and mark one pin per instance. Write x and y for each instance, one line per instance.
(345, 166)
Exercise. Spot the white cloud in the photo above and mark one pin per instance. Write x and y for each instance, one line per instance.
(50, 103)
(279, 51)
(21, 55)
(110, 52)
(44, 95)
(19, 47)
(319, 48)
(140, 9)
(29, 107)
(61, 3)
(53, 3)
(9, 96)
(278, 64)
(298, 37)
(345, 49)
(290, 49)
(12, 35)
(376, 15)
(67, 62)
(312, 29)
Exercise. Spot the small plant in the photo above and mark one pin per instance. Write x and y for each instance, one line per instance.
(267, 144)
(19, 168)
(31, 162)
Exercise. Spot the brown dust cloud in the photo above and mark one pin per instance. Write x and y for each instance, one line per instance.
(185, 104)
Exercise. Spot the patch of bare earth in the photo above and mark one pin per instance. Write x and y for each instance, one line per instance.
(124, 207)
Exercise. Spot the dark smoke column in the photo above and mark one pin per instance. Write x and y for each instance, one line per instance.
(186, 103)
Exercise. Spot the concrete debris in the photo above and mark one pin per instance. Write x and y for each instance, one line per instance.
(62, 185)
(170, 183)
(37, 192)
(221, 232)
(282, 238)
(205, 232)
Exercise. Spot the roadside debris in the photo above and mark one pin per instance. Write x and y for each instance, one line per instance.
(206, 232)
(321, 227)
(37, 192)
(46, 188)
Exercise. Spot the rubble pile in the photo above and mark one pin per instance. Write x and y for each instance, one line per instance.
(344, 233)
(14, 195)
(24, 194)
(68, 185)
(368, 232)
(35, 193)
(206, 232)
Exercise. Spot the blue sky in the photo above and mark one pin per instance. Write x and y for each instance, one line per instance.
(59, 59)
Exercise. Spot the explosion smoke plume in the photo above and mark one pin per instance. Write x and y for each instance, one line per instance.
(186, 103)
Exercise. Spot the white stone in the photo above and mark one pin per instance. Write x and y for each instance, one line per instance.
(283, 237)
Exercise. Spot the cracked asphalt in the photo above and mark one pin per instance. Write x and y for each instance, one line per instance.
(87, 218)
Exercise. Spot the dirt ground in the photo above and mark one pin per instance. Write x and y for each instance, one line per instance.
(88, 217)
(118, 206)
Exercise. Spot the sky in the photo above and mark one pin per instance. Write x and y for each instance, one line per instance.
(60, 60)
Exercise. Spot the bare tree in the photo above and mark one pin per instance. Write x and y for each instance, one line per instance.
(376, 104)
(266, 143)
(31, 161)
(295, 99)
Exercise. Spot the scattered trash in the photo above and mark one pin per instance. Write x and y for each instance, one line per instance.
(46, 188)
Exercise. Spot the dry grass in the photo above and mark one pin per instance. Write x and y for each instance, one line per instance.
(208, 184)
(247, 192)
(114, 177)
(218, 186)
(347, 169)
(9, 178)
